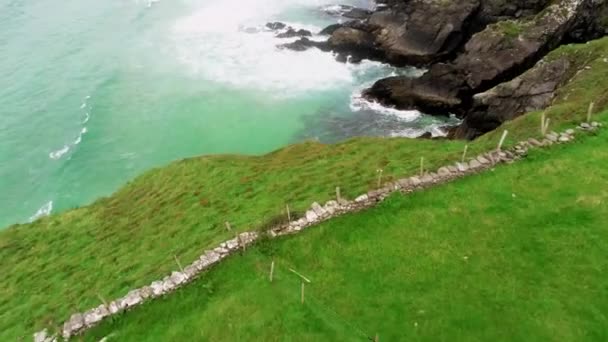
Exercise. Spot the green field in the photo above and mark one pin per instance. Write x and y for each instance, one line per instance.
(64, 263)
(517, 254)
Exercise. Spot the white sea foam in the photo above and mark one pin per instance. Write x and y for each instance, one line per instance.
(215, 44)
(45, 210)
(59, 153)
(358, 103)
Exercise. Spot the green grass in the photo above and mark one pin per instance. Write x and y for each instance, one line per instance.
(517, 254)
(63, 263)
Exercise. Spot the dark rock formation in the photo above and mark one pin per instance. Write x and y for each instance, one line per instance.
(476, 49)
(291, 33)
(497, 54)
(533, 90)
(347, 11)
(275, 26)
(303, 44)
(423, 31)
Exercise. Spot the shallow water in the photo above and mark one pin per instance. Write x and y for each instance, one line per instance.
(93, 93)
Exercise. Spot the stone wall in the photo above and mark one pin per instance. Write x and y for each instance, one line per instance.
(79, 322)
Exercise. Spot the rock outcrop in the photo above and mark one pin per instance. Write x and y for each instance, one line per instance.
(496, 54)
(468, 86)
(471, 47)
(533, 90)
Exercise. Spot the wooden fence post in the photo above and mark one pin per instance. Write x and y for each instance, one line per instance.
(179, 264)
(288, 214)
(590, 112)
(502, 140)
(271, 270)
(421, 166)
(464, 154)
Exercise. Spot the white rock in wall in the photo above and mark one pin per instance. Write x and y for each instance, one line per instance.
(535, 142)
(474, 164)
(318, 209)
(178, 278)
(311, 216)
(232, 244)
(95, 315)
(404, 182)
(115, 307)
(331, 207)
(443, 172)
(73, 325)
(415, 181)
(42, 336)
(168, 284)
(362, 198)
(146, 292)
(157, 288)
(191, 271)
(221, 250)
(131, 299)
(427, 179)
(462, 167)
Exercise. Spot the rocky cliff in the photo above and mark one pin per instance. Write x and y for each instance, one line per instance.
(476, 52)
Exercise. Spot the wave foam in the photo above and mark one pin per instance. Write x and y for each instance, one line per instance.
(358, 103)
(57, 154)
(214, 45)
(45, 210)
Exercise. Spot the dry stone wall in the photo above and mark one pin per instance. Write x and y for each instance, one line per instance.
(79, 322)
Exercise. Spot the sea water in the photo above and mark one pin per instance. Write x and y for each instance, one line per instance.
(92, 93)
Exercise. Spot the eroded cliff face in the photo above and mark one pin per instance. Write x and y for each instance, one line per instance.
(470, 48)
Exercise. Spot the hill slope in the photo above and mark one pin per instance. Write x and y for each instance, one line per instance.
(64, 263)
(514, 254)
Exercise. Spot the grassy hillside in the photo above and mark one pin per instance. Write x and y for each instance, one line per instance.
(518, 254)
(64, 263)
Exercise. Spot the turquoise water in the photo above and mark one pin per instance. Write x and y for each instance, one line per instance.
(93, 93)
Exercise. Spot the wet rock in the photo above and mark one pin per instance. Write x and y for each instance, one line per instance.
(357, 13)
(291, 33)
(275, 26)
